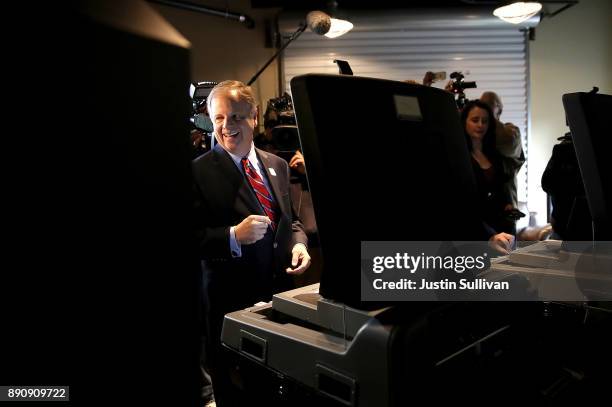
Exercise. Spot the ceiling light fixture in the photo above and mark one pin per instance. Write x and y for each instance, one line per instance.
(517, 12)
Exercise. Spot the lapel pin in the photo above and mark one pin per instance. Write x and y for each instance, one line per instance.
(272, 172)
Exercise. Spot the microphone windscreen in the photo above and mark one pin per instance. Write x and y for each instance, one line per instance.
(318, 22)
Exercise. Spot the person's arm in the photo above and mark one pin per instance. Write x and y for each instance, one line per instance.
(297, 228)
(235, 247)
(562, 174)
(213, 242)
(508, 142)
(300, 258)
(224, 242)
(504, 172)
(428, 79)
(502, 242)
(297, 162)
(250, 230)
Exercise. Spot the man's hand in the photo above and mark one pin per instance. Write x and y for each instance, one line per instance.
(196, 138)
(251, 229)
(449, 86)
(300, 260)
(502, 242)
(297, 162)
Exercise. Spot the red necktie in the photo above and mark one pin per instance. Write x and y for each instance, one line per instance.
(262, 193)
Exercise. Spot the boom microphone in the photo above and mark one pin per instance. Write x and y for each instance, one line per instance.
(318, 22)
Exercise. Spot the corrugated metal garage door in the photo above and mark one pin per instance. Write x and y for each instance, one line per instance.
(400, 46)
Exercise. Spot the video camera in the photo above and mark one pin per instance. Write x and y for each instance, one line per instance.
(457, 87)
(279, 112)
(199, 94)
(201, 125)
(279, 120)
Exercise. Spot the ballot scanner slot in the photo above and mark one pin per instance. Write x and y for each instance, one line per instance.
(253, 346)
(335, 385)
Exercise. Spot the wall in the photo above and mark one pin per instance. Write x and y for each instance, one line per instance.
(572, 52)
(225, 49)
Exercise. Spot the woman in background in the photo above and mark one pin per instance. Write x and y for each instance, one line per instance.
(477, 120)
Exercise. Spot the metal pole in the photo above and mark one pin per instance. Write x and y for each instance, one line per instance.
(246, 20)
(293, 37)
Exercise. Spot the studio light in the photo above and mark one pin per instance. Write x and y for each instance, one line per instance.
(338, 28)
(319, 23)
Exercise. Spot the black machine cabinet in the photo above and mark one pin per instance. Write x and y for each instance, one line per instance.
(323, 345)
(302, 349)
(588, 115)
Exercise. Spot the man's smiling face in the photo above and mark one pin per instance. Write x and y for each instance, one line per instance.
(234, 122)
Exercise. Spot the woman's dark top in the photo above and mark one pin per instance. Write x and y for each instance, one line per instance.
(492, 196)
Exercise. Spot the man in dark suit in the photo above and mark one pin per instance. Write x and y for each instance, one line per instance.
(251, 242)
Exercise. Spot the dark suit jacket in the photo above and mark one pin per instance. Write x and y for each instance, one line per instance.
(223, 198)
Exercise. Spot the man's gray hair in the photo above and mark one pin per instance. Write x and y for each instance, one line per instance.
(491, 99)
(243, 91)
